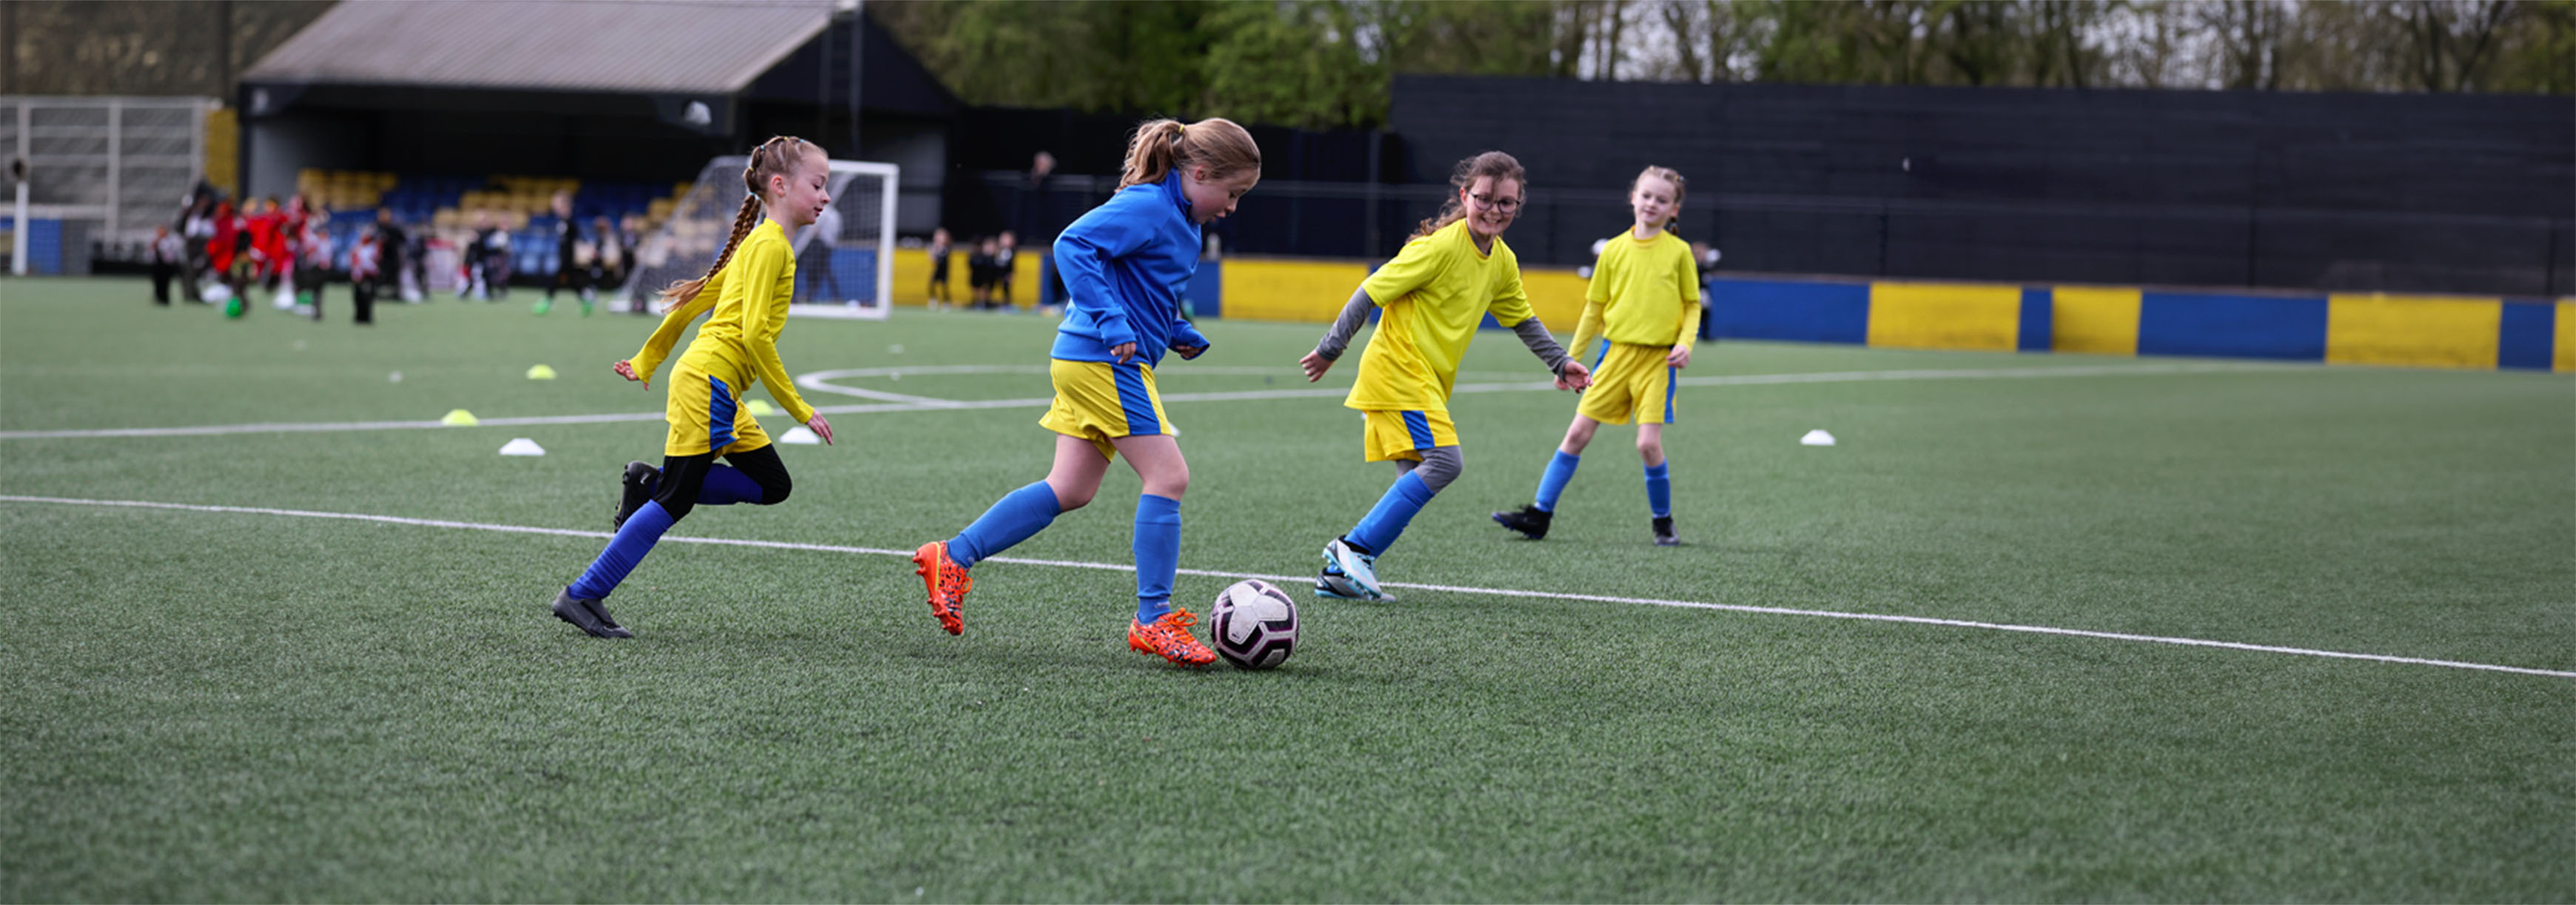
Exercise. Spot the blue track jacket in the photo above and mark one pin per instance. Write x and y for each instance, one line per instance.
(1124, 266)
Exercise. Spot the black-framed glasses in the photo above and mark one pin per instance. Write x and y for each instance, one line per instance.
(1506, 205)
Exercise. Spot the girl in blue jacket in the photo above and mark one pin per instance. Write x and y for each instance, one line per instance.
(1124, 266)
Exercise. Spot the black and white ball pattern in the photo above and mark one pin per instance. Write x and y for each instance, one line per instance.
(1253, 625)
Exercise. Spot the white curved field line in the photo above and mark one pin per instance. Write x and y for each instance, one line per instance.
(1297, 580)
(887, 401)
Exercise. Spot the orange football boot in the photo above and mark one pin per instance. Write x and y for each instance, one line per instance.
(948, 584)
(1169, 638)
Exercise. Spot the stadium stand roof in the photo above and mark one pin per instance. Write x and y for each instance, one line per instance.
(684, 46)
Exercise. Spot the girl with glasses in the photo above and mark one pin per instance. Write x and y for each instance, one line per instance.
(1453, 272)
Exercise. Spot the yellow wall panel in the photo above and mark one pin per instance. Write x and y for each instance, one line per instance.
(1258, 289)
(1556, 296)
(2093, 320)
(912, 278)
(223, 150)
(2416, 331)
(1944, 316)
(2564, 357)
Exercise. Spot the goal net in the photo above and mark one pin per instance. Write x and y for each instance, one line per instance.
(844, 262)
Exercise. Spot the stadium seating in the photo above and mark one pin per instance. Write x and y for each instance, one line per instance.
(521, 204)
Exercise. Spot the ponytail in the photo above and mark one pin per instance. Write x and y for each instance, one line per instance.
(779, 155)
(1163, 145)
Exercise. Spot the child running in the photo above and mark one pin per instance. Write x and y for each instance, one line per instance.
(1453, 272)
(1125, 264)
(1644, 301)
(747, 289)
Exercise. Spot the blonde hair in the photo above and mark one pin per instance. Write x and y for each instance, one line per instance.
(1495, 164)
(1164, 145)
(1666, 174)
(778, 156)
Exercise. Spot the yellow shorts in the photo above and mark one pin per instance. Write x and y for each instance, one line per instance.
(706, 414)
(1101, 401)
(1630, 383)
(1405, 435)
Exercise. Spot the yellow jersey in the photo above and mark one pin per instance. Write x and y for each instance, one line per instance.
(1435, 294)
(739, 342)
(1644, 292)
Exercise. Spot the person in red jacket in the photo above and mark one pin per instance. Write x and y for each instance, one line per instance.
(225, 251)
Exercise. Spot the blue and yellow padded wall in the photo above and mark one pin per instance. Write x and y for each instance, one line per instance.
(2338, 328)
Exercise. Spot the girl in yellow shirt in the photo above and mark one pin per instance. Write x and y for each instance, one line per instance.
(1453, 272)
(1644, 304)
(746, 290)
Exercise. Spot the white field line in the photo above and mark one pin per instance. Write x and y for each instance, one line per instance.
(1297, 580)
(895, 402)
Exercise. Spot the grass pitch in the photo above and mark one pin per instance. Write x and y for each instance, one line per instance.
(215, 704)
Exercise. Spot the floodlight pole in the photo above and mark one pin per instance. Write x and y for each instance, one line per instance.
(18, 174)
(858, 51)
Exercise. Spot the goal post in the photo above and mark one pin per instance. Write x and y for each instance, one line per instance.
(844, 262)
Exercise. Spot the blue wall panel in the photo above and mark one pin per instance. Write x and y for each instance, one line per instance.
(1780, 309)
(2038, 320)
(2232, 326)
(2523, 339)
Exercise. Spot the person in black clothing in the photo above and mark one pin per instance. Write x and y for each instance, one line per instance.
(629, 231)
(1005, 266)
(365, 260)
(601, 270)
(979, 272)
(568, 273)
(168, 253)
(940, 249)
(1035, 220)
(391, 252)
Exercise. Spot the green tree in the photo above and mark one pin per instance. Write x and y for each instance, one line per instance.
(1327, 63)
(1297, 64)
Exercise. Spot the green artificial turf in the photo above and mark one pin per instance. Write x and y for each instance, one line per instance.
(224, 705)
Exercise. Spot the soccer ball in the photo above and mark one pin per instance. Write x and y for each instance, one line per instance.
(1253, 625)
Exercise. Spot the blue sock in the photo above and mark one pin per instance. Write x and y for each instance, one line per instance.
(1552, 483)
(1158, 554)
(1659, 489)
(727, 485)
(1014, 518)
(633, 540)
(1394, 511)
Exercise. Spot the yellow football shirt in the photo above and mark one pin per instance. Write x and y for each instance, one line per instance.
(1435, 294)
(1644, 292)
(740, 340)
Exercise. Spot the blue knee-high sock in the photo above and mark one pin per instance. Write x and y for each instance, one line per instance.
(727, 485)
(1659, 489)
(633, 540)
(1158, 554)
(1013, 518)
(1552, 483)
(1395, 510)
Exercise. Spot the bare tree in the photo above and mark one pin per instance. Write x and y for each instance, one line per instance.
(2453, 41)
(2247, 38)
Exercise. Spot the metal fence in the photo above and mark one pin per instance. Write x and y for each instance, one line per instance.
(2011, 241)
(110, 168)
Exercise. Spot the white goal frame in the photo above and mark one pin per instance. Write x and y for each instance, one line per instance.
(845, 172)
(675, 250)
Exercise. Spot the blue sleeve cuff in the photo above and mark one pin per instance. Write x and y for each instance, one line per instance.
(1183, 334)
